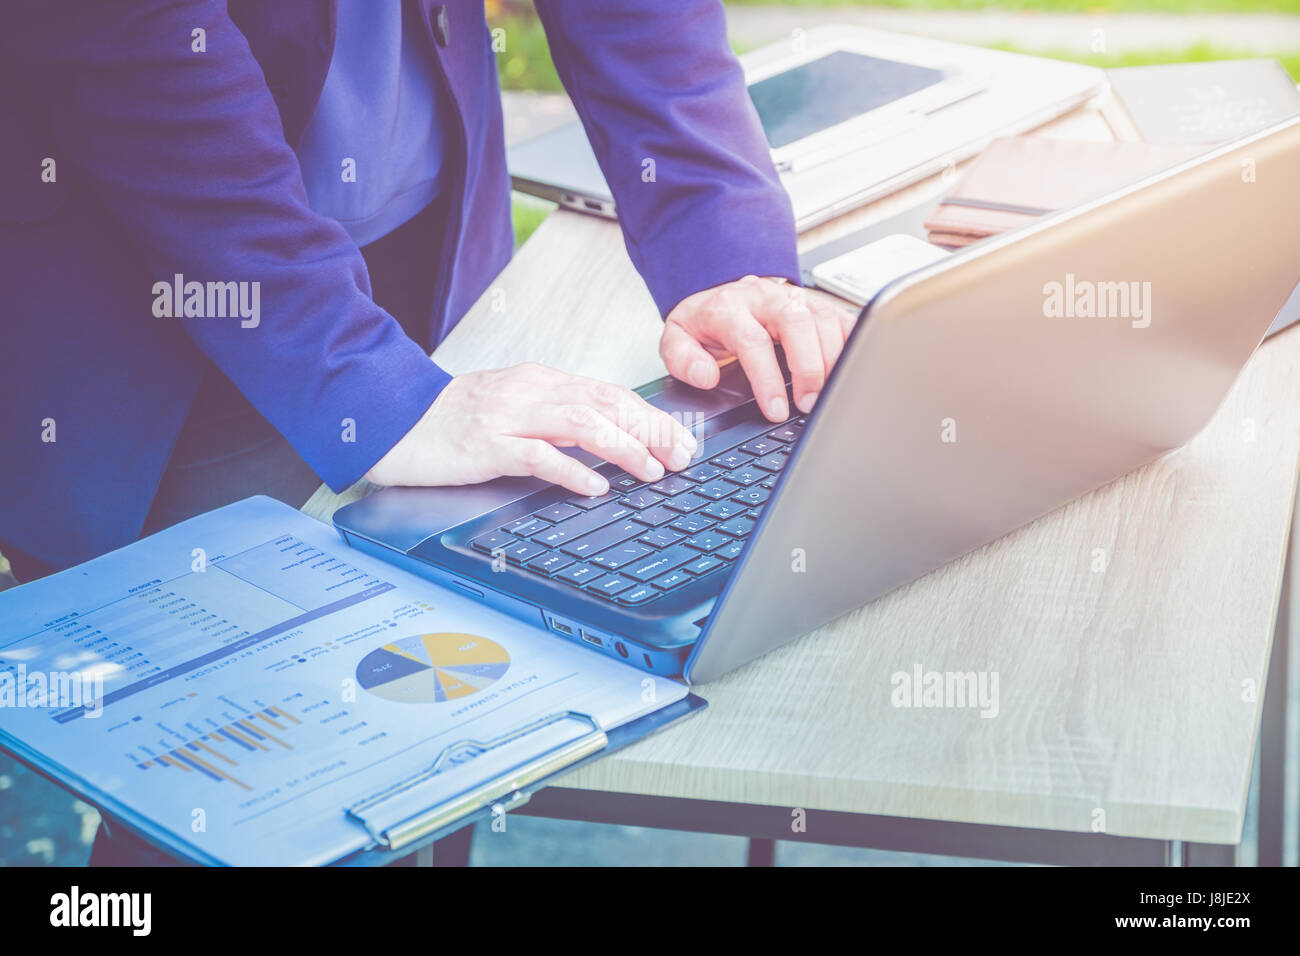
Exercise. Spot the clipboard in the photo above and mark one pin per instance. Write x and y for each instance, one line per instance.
(397, 835)
(295, 787)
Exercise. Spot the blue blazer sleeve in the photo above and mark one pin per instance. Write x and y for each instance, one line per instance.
(187, 152)
(657, 81)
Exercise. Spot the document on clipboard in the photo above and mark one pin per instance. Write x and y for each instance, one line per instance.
(242, 688)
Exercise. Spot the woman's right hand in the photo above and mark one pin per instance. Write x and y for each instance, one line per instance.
(513, 421)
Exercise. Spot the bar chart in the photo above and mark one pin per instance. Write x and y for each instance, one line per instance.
(218, 753)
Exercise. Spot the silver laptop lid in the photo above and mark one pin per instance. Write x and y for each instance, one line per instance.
(993, 387)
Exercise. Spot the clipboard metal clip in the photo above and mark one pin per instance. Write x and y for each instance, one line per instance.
(509, 790)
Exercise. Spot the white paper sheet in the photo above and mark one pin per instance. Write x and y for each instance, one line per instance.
(258, 677)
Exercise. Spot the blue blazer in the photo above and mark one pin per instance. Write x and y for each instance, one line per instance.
(130, 157)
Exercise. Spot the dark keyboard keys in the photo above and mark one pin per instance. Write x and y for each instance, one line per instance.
(660, 538)
(731, 551)
(523, 527)
(578, 574)
(707, 541)
(582, 523)
(558, 512)
(638, 595)
(686, 503)
(660, 562)
(701, 472)
(611, 584)
(715, 489)
(702, 565)
(642, 498)
(736, 527)
(673, 485)
(760, 446)
(586, 504)
(606, 537)
(730, 459)
(692, 524)
(549, 562)
(745, 476)
(774, 462)
(492, 541)
(619, 555)
(521, 551)
(786, 433)
(722, 510)
(671, 580)
(624, 482)
(752, 496)
(656, 516)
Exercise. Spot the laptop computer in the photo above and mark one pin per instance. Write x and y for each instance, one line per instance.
(974, 395)
(850, 115)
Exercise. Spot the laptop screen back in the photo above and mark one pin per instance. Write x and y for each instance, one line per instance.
(833, 89)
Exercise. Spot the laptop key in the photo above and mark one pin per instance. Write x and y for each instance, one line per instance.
(774, 462)
(660, 562)
(715, 489)
(582, 523)
(745, 476)
(521, 551)
(722, 510)
(492, 540)
(731, 550)
(621, 554)
(671, 580)
(578, 574)
(655, 516)
(595, 501)
(736, 527)
(624, 482)
(702, 565)
(760, 446)
(548, 562)
(523, 527)
(686, 503)
(638, 595)
(558, 512)
(752, 496)
(731, 459)
(660, 538)
(707, 541)
(786, 433)
(642, 498)
(611, 584)
(672, 485)
(606, 537)
(692, 524)
(701, 472)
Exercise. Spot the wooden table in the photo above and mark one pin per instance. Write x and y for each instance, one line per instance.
(1131, 696)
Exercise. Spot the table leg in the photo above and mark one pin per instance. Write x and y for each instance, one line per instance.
(761, 852)
(1210, 854)
(1272, 731)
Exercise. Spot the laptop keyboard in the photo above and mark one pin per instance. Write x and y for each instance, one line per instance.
(643, 539)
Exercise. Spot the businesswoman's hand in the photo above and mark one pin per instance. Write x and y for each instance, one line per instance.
(513, 421)
(746, 318)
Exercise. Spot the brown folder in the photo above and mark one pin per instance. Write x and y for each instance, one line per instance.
(1019, 178)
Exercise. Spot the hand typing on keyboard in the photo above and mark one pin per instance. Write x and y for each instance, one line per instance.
(746, 318)
(640, 541)
(513, 421)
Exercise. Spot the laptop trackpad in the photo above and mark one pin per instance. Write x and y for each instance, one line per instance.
(693, 405)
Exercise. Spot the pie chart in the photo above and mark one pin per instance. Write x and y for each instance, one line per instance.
(432, 668)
